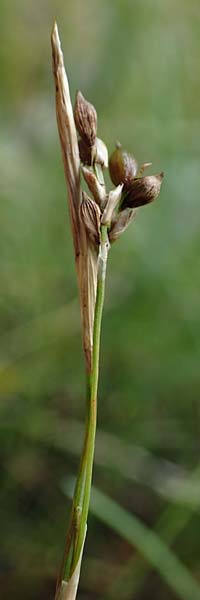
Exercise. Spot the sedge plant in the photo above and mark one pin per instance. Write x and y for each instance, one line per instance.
(98, 219)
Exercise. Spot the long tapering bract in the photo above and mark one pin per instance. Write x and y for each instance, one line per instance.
(85, 254)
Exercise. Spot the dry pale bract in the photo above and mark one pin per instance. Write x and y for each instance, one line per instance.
(85, 255)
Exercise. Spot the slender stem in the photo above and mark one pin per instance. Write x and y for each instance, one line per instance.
(92, 416)
(80, 506)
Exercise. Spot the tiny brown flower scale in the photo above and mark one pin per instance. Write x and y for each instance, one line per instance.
(133, 190)
(85, 117)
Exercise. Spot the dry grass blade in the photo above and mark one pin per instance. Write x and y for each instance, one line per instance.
(67, 133)
(85, 256)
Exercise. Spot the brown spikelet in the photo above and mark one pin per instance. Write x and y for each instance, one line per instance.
(85, 153)
(85, 117)
(142, 191)
(122, 166)
(120, 223)
(91, 214)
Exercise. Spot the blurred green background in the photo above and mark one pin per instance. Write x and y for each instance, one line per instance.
(138, 62)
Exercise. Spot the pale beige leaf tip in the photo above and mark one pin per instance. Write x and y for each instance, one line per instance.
(54, 34)
(56, 46)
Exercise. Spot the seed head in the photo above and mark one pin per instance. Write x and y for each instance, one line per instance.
(97, 153)
(122, 166)
(120, 222)
(85, 117)
(142, 191)
(90, 214)
(85, 153)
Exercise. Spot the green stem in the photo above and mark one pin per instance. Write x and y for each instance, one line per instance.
(80, 506)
